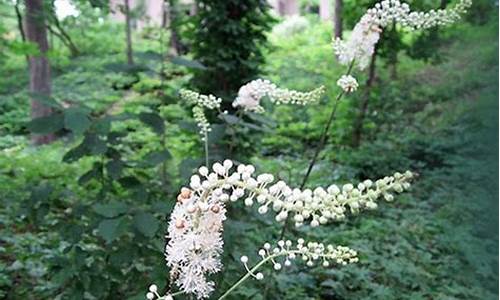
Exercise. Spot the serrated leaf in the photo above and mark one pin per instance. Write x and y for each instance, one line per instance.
(95, 144)
(76, 120)
(48, 124)
(154, 121)
(95, 172)
(115, 168)
(110, 229)
(155, 158)
(111, 209)
(41, 193)
(129, 182)
(230, 119)
(75, 153)
(146, 224)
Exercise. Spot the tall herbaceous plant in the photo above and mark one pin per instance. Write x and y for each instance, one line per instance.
(194, 239)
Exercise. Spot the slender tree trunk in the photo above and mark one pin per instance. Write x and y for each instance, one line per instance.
(38, 64)
(337, 19)
(175, 44)
(64, 36)
(19, 17)
(130, 58)
(358, 123)
(20, 25)
(65, 39)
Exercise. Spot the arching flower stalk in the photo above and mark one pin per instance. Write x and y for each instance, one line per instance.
(284, 253)
(366, 34)
(360, 46)
(195, 228)
(200, 104)
(249, 97)
(251, 94)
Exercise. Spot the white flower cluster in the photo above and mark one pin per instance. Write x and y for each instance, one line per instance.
(310, 253)
(195, 242)
(388, 11)
(200, 103)
(348, 83)
(250, 95)
(195, 227)
(366, 33)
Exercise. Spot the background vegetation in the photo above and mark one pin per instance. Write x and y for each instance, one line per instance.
(84, 216)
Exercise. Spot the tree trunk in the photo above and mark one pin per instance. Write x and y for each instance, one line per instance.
(358, 123)
(20, 26)
(176, 47)
(38, 64)
(337, 19)
(19, 17)
(130, 58)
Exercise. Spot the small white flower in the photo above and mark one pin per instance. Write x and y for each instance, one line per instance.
(153, 288)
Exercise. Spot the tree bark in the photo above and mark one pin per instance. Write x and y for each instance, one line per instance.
(358, 123)
(38, 65)
(337, 19)
(130, 58)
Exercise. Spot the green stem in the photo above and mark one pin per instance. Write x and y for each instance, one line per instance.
(320, 146)
(246, 276)
(206, 149)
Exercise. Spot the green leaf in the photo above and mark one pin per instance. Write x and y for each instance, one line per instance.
(76, 120)
(41, 193)
(146, 223)
(95, 172)
(75, 153)
(178, 60)
(95, 144)
(45, 100)
(115, 168)
(155, 158)
(154, 121)
(230, 119)
(110, 210)
(48, 124)
(129, 182)
(110, 229)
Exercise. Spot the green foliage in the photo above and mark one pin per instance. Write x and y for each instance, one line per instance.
(83, 218)
(227, 38)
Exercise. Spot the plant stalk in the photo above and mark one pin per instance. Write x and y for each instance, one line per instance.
(206, 149)
(324, 136)
(246, 276)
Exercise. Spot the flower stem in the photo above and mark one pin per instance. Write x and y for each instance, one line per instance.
(206, 148)
(246, 276)
(322, 142)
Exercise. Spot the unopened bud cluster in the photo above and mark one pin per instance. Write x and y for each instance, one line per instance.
(250, 95)
(200, 103)
(318, 206)
(312, 253)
